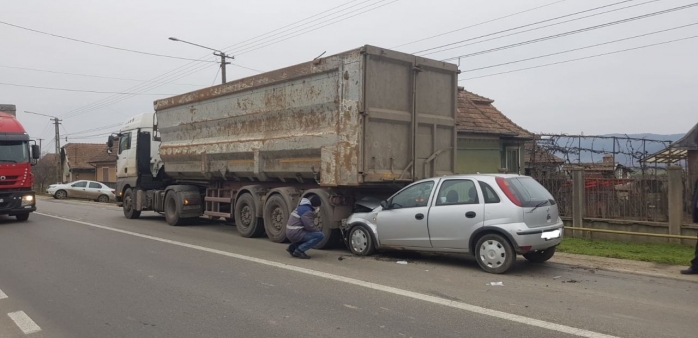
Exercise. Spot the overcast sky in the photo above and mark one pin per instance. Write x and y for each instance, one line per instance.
(646, 90)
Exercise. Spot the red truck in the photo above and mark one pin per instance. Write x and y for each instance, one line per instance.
(17, 156)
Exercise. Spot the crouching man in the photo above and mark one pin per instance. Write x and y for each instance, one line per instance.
(301, 230)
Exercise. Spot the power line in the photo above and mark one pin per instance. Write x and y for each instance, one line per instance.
(75, 90)
(582, 58)
(555, 36)
(96, 129)
(290, 34)
(478, 24)
(578, 49)
(91, 76)
(178, 74)
(101, 45)
(442, 47)
(537, 28)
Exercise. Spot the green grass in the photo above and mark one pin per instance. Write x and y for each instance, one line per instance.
(658, 253)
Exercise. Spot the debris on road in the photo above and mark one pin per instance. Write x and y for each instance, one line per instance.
(496, 284)
(571, 281)
(402, 262)
(557, 277)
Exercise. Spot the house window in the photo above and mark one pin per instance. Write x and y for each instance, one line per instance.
(105, 174)
(513, 160)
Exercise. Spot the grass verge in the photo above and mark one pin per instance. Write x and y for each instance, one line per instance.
(657, 253)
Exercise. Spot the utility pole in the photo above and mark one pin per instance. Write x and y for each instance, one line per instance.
(56, 123)
(216, 52)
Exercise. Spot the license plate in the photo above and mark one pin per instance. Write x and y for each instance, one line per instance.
(550, 234)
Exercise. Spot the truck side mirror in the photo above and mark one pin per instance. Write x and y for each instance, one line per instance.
(110, 144)
(36, 152)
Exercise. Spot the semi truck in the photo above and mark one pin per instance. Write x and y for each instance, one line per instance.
(351, 127)
(17, 156)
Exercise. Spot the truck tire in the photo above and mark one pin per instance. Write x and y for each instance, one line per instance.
(276, 213)
(22, 217)
(246, 220)
(494, 254)
(129, 205)
(322, 221)
(540, 256)
(171, 210)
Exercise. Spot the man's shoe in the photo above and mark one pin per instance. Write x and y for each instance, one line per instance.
(690, 271)
(291, 249)
(300, 254)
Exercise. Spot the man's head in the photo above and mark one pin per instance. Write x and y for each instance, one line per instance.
(315, 202)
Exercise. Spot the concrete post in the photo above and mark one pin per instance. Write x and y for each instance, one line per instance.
(578, 201)
(675, 191)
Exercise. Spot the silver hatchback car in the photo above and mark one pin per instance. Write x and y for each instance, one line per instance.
(493, 217)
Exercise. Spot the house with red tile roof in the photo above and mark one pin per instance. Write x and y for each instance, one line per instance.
(488, 141)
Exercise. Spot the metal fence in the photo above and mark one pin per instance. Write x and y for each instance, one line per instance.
(617, 184)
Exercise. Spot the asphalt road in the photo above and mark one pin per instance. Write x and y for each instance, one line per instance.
(81, 270)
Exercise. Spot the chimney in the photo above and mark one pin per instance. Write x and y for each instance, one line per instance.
(8, 108)
(608, 159)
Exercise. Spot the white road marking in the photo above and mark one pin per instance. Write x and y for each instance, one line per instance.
(2, 295)
(24, 323)
(369, 285)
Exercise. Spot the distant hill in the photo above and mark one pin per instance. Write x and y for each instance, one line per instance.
(593, 148)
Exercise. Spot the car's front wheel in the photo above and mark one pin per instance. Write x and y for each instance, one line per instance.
(361, 242)
(60, 194)
(540, 256)
(494, 253)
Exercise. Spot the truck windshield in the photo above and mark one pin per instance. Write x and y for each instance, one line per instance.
(14, 152)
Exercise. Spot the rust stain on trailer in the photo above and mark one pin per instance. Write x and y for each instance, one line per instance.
(300, 160)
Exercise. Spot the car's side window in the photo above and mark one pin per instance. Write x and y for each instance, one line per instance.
(412, 197)
(82, 184)
(453, 192)
(94, 185)
(491, 196)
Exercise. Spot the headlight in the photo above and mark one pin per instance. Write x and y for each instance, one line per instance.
(27, 200)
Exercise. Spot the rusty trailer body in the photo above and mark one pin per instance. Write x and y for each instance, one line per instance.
(358, 124)
(366, 116)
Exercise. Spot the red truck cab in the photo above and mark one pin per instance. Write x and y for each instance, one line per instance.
(16, 159)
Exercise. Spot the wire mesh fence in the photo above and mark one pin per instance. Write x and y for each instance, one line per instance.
(618, 183)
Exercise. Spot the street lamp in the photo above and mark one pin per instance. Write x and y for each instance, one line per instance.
(216, 52)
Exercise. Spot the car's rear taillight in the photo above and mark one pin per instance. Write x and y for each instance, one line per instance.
(506, 188)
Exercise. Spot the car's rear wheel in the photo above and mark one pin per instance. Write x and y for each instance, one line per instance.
(494, 253)
(540, 256)
(361, 241)
(103, 199)
(60, 194)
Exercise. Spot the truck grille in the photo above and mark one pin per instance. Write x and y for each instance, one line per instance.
(9, 180)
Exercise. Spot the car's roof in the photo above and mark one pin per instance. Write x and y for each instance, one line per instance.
(474, 176)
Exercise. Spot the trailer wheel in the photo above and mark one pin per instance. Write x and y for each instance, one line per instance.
(276, 213)
(130, 204)
(322, 221)
(171, 213)
(246, 220)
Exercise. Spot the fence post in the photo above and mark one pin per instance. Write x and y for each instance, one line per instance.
(675, 191)
(577, 201)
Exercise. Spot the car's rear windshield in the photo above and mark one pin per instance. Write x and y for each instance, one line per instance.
(529, 191)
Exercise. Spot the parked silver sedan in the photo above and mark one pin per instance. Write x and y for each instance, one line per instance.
(92, 190)
(492, 217)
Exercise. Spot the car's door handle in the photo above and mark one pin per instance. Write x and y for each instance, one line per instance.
(470, 214)
(419, 216)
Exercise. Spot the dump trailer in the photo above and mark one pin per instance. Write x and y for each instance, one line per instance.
(354, 126)
(17, 156)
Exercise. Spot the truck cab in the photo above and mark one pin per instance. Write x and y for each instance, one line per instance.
(17, 157)
(137, 143)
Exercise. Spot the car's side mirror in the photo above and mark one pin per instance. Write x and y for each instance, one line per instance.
(36, 152)
(384, 205)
